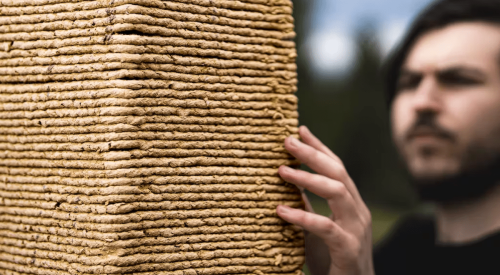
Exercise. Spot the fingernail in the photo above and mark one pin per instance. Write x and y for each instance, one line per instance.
(294, 142)
(286, 169)
(283, 209)
(306, 129)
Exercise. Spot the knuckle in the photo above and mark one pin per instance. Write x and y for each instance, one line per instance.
(356, 249)
(302, 219)
(337, 191)
(314, 154)
(366, 217)
(352, 252)
(329, 227)
(309, 220)
(344, 176)
(303, 176)
(339, 161)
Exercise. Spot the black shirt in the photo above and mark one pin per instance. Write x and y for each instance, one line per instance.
(411, 249)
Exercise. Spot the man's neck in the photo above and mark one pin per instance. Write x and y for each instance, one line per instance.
(469, 220)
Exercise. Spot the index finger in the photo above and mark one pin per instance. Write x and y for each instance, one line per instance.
(322, 164)
(316, 160)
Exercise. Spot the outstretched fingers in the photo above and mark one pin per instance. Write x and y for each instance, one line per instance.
(316, 160)
(322, 163)
(339, 198)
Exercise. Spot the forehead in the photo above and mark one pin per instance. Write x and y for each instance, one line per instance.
(475, 44)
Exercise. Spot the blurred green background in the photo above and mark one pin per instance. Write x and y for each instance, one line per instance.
(349, 115)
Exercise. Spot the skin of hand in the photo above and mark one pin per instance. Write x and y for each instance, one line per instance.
(347, 233)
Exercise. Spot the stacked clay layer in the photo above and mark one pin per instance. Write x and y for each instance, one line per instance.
(144, 137)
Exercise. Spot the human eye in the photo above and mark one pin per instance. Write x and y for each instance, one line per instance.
(408, 83)
(459, 79)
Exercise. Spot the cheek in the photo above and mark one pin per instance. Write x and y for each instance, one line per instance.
(475, 117)
(401, 117)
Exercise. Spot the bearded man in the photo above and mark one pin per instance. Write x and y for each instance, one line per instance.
(443, 85)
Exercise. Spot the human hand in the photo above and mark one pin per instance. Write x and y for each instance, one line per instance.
(347, 233)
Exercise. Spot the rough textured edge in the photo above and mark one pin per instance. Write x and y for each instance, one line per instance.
(131, 43)
(159, 59)
(138, 136)
(192, 270)
(141, 172)
(146, 225)
(155, 12)
(262, 245)
(141, 111)
(152, 153)
(147, 127)
(137, 85)
(245, 15)
(147, 102)
(226, 210)
(238, 6)
(71, 194)
(139, 235)
(177, 81)
(103, 183)
(148, 241)
(132, 18)
(50, 200)
(145, 30)
(124, 93)
(286, 123)
(104, 66)
(141, 261)
(276, 147)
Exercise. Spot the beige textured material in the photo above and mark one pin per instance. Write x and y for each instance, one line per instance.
(144, 137)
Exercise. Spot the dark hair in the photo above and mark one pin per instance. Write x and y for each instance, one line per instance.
(437, 15)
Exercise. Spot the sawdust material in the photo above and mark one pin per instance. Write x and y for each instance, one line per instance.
(80, 250)
(93, 194)
(19, 88)
(118, 93)
(148, 30)
(146, 20)
(132, 43)
(139, 120)
(154, 12)
(118, 128)
(174, 181)
(149, 58)
(144, 137)
(98, 79)
(142, 154)
(125, 65)
(110, 137)
(13, 8)
(138, 111)
(144, 145)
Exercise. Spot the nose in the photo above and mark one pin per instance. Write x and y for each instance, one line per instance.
(427, 97)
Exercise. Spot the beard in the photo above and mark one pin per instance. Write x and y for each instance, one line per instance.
(479, 167)
(471, 182)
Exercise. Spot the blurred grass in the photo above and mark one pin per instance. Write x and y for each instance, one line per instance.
(382, 218)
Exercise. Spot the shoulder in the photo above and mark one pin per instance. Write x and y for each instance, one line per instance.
(410, 227)
(408, 240)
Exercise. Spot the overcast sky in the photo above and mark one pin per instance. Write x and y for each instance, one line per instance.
(330, 44)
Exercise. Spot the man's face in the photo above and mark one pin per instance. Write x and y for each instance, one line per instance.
(446, 115)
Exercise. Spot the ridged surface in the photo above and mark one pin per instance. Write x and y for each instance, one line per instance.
(144, 137)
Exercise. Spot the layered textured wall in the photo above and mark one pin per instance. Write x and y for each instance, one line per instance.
(144, 136)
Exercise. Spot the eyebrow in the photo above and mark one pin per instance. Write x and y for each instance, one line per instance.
(460, 70)
(456, 70)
